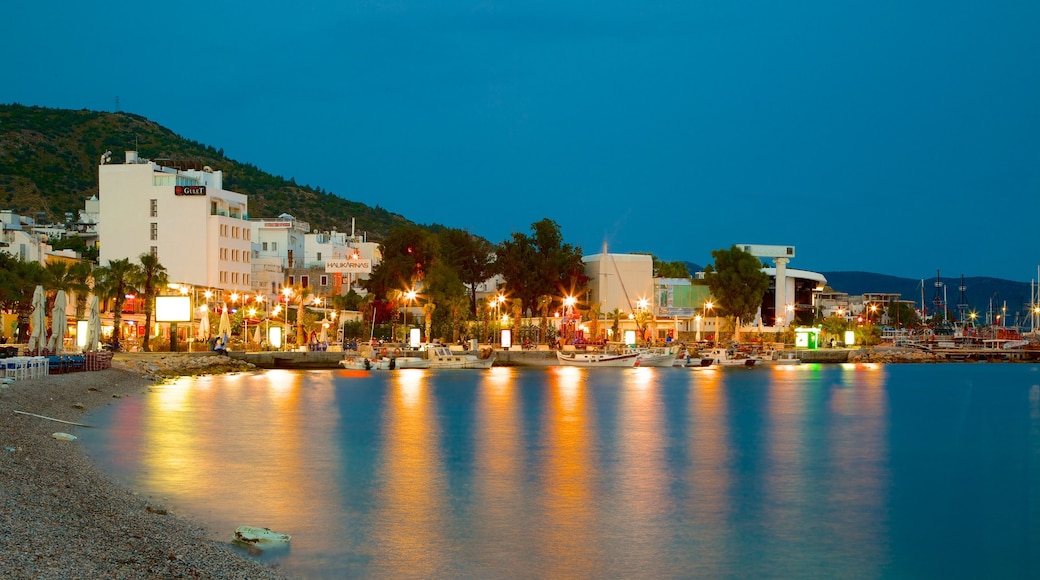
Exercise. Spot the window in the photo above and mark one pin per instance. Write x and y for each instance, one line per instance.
(292, 280)
(234, 232)
(154, 203)
(265, 246)
(245, 278)
(212, 208)
(246, 234)
(319, 256)
(234, 277)
(324, 279)
(155, 231)
(274, 246)
(155, 251)
(305, 281)
(234, 255)
(223, 277)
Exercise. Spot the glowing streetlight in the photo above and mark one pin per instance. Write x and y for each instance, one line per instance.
(287, 291)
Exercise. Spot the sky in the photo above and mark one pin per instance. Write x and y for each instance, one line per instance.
(882, 136)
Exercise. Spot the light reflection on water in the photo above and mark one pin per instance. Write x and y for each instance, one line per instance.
(566, 472)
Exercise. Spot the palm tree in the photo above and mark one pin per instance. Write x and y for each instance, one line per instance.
(544, 303)
(302, 294)
(113, 282)
(151, 278)
(428, 309)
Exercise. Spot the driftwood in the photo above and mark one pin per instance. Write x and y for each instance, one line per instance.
(52, 419)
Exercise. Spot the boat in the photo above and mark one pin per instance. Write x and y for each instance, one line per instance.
(696, 362)
(442, 357)
(733, 358)
(384, 363)
(651, 357)
(778, 357)
(597, 359)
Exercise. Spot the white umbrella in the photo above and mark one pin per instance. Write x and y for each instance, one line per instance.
(38, 319)
(203, 333)
(93, 325)
(256, 335)
(324, 335)
(58, 324)
(225, 325)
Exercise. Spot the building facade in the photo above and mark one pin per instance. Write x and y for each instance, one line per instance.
(199, 231)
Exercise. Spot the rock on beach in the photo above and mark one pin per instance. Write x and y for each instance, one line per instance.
(60, 514)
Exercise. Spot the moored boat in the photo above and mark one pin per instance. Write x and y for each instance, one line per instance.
(385, 363)
(597, 359)
(441, 357)
(732, 358)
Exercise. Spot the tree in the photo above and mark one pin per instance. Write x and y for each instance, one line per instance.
(540, 264)
(544, 303)
(408, 254)
(901, 315)
(670, 269)
(114, 282)
(739, 283)
(472, 258)
(152, 277)
(69, 278)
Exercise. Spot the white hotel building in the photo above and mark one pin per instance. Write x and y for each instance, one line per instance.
(200, 231)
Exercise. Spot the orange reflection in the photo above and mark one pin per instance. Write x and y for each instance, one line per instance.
(499, 457)
(710, 504)
(567, 547)
(411, 489)
(188, 435)
(644, 483)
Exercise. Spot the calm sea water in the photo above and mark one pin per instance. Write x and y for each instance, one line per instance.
(851, 471)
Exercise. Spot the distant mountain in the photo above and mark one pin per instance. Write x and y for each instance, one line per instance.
(49, 159)
(979, 290)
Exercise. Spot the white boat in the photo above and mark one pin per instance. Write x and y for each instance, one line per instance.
(441, 357)
(695, 362)
(653, 357)
(732, 358)
(777, 357)
(384, 364)
(597, 359)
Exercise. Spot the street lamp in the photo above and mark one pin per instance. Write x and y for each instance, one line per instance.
(568, 309)
(709, 305)
(287, 291)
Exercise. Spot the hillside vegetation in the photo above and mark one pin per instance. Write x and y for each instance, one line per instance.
(49, 159)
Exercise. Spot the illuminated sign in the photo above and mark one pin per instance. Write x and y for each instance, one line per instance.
(277, 225)
(172, 308)
(348, 266)
(189, 190)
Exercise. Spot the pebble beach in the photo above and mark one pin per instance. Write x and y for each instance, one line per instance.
(62, 517)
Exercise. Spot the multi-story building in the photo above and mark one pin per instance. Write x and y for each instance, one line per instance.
(199, 231)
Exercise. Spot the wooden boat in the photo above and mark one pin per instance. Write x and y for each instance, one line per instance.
(597, 359)
(732, 358)
(441, 357)
(384, 364)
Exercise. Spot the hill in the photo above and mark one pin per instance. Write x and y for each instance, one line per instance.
(978, 290)
(49, 159)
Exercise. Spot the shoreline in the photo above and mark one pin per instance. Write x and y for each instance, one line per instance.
(61, 516)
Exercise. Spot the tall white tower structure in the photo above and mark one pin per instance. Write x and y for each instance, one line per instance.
(781, 255)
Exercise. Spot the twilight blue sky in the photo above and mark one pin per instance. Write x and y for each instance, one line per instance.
(893, 137)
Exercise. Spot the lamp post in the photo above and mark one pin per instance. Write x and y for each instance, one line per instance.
(287, 291)
(715, 333)
(568, 309)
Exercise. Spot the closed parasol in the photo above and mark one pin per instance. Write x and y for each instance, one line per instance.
(203, 333)
(93, 326)
(224, 330)
(38, 320)
(58, 324)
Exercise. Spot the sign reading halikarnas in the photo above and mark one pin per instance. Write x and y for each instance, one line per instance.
(348, 266)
